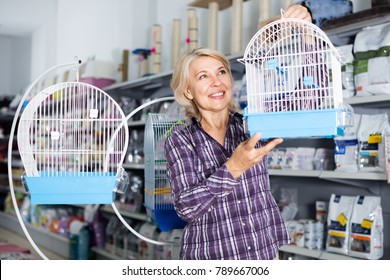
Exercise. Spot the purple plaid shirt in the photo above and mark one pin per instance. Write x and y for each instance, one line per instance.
(227, 218)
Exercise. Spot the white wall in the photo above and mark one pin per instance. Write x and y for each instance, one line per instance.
(15, 53)
(103, 28)
(5, 73)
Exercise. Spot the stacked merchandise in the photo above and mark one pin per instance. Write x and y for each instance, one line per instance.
(301, 158)
(365, 73)
(309, 233)
(125, 245)
(355, 226)
(362, 148)
(372, 60)
(348, 225)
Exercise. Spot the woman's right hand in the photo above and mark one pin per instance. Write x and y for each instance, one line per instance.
(247, 155)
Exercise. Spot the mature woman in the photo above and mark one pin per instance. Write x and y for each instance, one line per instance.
(218, 173)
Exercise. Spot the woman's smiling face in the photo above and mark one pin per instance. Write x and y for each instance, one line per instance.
(210, 85)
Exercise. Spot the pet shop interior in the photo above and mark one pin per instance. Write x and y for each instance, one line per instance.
(331, 187)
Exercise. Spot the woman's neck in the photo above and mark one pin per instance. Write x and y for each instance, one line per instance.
(215, 125)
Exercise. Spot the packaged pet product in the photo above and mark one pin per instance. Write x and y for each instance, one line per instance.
(276, 158)
(372, 60)
(387, 157)
(175, 238)
(371, 133)
(110, 230)
(347, 74)
(132, 242)
(323, 159)
(321, 210)
(163, 251)
(147, 250)
(347, 147)
(366, 239)
(296, 231)
(289, 158)
(338, 223)
(288, 203)
(320, 235)
(119, 240)
(310, 233)
(303, 159)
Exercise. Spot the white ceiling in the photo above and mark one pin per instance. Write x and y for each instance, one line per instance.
(22, 17)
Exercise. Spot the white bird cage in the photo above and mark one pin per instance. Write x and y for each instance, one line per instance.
(294, 86)
(158, 197)
(72, 142)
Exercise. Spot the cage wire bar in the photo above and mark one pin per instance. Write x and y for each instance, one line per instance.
(158, 197)
(68, 146)
(293, 75)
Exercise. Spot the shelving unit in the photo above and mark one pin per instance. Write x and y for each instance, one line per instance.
(127, 214)
(157, 86)
(349, 183)
(42, 237)
(325, 174)
(315, 254)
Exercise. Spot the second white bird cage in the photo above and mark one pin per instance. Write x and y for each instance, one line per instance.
(294, 86)
(158, 196)
(72, 142)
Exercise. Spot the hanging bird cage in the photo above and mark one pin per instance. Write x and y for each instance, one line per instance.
(158, 197)
(72, 143)
(294, 87)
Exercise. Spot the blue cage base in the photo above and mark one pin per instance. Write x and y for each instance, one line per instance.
(67, 189)
(165, 219)
(297, 124)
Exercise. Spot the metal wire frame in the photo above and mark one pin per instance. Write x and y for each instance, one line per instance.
(68, 130)
(291, 66)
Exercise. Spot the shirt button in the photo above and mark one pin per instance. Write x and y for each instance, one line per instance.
(239, 201)
(243, 224)
(249, 247)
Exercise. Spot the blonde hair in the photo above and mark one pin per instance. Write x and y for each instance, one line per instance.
(181, 78)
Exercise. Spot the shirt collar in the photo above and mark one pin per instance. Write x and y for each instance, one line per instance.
(232, 113)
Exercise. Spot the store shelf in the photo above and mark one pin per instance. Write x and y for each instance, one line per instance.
(105, 254)
(313, 253)
(351, 24)
(324, 174)
(359, 100)
(139, 166)
(223, 4)
(158, 85)
(126, 214)
(136, 123)
(42, 237)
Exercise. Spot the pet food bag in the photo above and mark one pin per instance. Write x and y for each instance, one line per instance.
(372, 60)
(339, 216)
(371, 134)
(347, 148)
(347, 73)
(366, 238)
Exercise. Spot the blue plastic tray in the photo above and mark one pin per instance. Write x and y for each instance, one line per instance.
(66, 188)
(295, 124)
